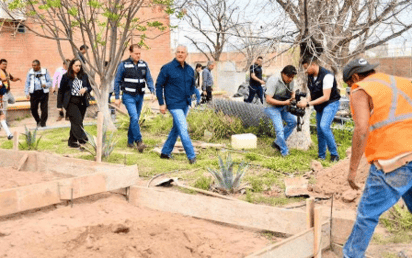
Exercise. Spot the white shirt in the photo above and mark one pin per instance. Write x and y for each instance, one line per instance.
(327, 81)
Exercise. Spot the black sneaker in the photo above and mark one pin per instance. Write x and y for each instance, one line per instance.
(192, 161)
(131, 145)
(275, 146)
(165, 156)
(10, 137)
(334, 158)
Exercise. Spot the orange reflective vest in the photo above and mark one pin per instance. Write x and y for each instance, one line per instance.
(390, 124)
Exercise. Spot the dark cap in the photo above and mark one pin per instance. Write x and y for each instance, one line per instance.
(359, 65)
(289, 70)
(84, 47)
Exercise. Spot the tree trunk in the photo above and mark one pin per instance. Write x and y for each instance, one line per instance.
(301, 140)
(102, 103)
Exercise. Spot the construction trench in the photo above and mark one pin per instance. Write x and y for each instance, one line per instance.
(53, 206)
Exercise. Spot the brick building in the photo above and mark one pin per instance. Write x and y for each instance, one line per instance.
(20, 47)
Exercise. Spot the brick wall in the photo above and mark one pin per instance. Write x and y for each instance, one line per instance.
(398, 66)
(20, 50)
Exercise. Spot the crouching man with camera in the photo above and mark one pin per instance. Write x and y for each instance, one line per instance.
(324, 96)
(279, 94)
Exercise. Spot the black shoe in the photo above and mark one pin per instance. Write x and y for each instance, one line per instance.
(192, 161)
(10, 137)
(165, 156)
(334, 158)
(74, 145)
(42, 125)
(131, 145)
(275, 146)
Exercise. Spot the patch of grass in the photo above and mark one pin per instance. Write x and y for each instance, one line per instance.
(203, 182)
(389, 255)
(272, 201)
(398, 238)
(397, 220)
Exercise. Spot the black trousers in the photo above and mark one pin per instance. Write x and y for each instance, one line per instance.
(76, 111)
(209, 95)
(36, 98)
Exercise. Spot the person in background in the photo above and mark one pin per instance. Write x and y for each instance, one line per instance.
(324, 96)
(207, 85)
(3, 90)
(132, 76)
(57, 77)
(38, 83)
(382, 111)
(198, 73)
(6, 78)
(256, 81)
(72, 95)
(175, 85)
(279, 93)
(81, 54)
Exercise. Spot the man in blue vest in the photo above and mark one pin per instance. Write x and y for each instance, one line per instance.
(324, 96)
(132, 76)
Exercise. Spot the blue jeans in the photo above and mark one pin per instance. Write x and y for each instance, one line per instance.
(255, 90)
(278, 114)
(382, 191)
(133, 105)
(179, 129)
(324, 121)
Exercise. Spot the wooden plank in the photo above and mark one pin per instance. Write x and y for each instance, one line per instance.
(22, 161)
(48, 193)
(16, 141)
(226, 211)
(310, 209)
(99, 140)
(317, 233)
(297, 246)
(82, 186)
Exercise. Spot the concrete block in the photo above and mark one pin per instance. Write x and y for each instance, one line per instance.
(244, 141)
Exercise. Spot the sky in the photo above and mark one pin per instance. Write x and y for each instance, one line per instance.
(259, 13)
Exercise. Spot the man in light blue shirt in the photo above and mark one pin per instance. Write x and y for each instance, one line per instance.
(38, 83)
(207, 85)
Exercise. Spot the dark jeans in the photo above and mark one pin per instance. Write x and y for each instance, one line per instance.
(208, 96)
(76, 111)
(255, 90)
(36, 98)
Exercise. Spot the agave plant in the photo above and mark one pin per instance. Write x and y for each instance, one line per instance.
(108, 143)
(31, 142)
(225, 179)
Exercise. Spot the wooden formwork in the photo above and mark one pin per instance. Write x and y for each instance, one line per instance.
(311, 233)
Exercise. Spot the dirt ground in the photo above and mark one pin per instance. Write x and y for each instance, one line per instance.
(107, 226)
(11, 177)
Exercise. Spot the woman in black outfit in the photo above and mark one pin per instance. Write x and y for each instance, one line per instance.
(72, 95)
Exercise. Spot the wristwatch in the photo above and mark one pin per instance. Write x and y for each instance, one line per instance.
(307, 104)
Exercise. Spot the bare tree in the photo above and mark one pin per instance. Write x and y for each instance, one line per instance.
(105, 25)
(344, 29)
(213, 20)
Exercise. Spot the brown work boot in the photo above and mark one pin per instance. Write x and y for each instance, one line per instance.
(140, 146)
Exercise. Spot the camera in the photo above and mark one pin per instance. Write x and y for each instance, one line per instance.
(294, 110)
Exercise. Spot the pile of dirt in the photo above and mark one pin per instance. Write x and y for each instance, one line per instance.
(107, 226)
(11, 177)
(333, 180)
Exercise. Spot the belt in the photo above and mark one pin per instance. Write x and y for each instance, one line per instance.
(395, 163)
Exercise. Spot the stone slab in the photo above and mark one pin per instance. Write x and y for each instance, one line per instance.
(244, 141)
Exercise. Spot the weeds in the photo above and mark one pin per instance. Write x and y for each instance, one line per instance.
(31, 143)
(203, 183)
